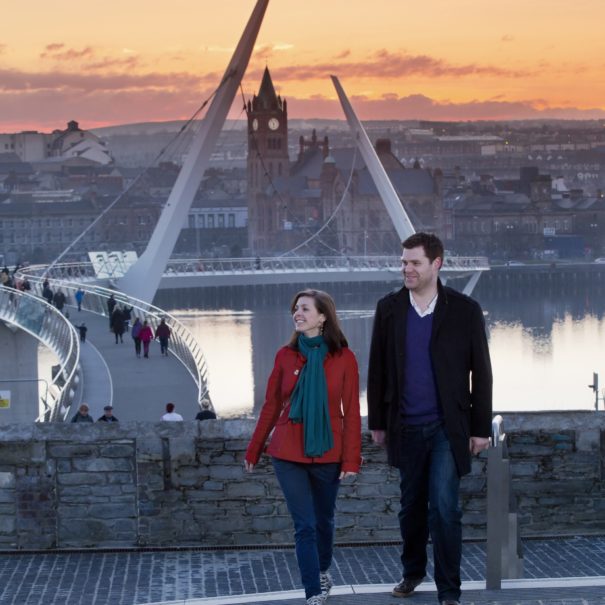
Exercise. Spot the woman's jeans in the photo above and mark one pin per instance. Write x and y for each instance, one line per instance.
(310, 491)
(429, 503)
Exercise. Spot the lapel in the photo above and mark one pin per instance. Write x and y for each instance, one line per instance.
(401, 304)
(440, 312)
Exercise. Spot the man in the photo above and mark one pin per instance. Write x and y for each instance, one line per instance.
(171, 415)
(207, 413)
(79, 296)
(108, 415)
(428, 342)
(163, 332)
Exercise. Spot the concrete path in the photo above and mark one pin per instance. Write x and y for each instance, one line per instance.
(139, 388)
(568, 571)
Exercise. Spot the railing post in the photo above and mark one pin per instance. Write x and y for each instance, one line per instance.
(504, 558)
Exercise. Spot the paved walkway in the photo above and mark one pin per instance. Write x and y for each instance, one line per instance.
(138, 388)
(557, 572)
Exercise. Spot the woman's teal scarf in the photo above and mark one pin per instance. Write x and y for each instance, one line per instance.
(309, 400)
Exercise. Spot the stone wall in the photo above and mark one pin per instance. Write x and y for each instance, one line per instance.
(167, 484)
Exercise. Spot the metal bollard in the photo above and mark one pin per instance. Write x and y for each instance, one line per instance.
(504, 555)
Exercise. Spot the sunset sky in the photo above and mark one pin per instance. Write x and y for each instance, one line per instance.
(114, 62)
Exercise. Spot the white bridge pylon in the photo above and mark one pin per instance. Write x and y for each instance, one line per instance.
(387, 192)
(144, 276)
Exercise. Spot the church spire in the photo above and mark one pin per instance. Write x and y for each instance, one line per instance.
(267, 98)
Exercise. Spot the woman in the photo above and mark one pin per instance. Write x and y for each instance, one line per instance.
(146, 336)
(312, 401)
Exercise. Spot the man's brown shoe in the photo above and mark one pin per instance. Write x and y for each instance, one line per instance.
(406, 587)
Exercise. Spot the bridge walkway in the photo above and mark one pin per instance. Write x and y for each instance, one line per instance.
(138, 388)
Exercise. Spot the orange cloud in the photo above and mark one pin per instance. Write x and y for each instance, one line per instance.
(14, 80)
(393, 107)
(384, 64)
(56, 52)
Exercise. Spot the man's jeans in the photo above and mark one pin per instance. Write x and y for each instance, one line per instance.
(310, 491)
(429, 503)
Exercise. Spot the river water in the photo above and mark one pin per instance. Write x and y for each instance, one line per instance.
(545, 343)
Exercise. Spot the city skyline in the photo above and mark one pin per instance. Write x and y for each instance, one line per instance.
(109, 63)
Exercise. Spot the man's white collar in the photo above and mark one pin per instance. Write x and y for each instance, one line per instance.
(430, 309)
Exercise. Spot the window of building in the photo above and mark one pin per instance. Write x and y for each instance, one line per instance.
(211, 221)
(201, 221)
(221, 221)
(231, 221)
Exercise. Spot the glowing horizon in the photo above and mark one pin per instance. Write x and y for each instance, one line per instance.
(116, 63)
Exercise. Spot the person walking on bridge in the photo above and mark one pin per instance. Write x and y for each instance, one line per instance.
(82, 414)
(117, 324)
(146, 336)
(312, 407)
(135, 332)
(430, 404)
(79, 296)
(162, 333)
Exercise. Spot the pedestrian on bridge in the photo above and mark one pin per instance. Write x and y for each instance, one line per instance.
(59, 300)
(206, 413)
(162, 333)
(171, 415)
(111, 304)
(117, 324)
(82, 414)
(146, 336)
(312, 407)
(79, 296)
(108, 415)
(47, 293)
(137, 326)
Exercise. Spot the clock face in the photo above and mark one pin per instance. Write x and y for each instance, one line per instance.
(255, 124)
(273, 123)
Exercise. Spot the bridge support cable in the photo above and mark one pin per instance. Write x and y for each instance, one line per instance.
(387, 192)
(316, 235)
(143, 278)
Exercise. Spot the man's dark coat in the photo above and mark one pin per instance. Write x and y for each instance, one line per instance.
(459, 351)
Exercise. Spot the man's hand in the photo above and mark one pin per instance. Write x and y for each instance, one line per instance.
(478, 444)
(345, 474)
(248, 466)
(379, 437)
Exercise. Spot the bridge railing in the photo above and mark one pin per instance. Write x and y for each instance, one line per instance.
(86, 272)
(48, 325)
(313, 263)
(182, 343)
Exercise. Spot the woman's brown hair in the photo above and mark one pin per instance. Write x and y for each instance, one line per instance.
(332, 331)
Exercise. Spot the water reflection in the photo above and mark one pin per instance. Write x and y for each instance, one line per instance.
(544, 344)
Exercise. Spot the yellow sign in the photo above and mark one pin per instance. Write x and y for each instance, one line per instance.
(5, 400)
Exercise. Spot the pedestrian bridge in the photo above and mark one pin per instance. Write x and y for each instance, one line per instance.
(99, 371)
(204, 272)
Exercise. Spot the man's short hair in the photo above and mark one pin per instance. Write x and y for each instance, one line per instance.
(108, 407)
(430, 243)
(170, 407)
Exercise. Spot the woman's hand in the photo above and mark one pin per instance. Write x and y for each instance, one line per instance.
(344, 475)
(248, 466)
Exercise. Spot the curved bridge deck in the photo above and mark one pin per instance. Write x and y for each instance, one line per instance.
(138, 388)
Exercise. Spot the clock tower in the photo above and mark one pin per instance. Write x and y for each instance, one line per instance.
(268, 166)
